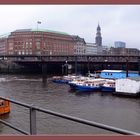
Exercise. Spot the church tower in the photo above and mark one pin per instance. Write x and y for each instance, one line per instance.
(98, 39)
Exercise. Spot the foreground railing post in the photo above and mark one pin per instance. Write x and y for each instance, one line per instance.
(32, 121)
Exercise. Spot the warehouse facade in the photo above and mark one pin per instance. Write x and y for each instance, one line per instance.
(38, 42)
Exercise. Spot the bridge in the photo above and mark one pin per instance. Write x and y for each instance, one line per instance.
(73, 58)
(88, 62)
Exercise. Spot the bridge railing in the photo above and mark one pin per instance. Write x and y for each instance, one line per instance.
(72, 58)
(33, 129)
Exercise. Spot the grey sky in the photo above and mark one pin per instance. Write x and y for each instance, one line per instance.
(118, 22)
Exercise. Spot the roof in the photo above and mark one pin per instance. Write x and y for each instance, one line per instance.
(98, 28)
(135, 78)
(23, 30)
(5, 35)
(112, 71)
(91, 44)
(40, 30)
(77, 38)
(130, 71)
(119, 71)
(50, 31)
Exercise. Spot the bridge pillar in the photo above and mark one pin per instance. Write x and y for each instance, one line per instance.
(139, 64)
(75, 65)
(88, 65)
(62, 69)
(66, 69)
(126, 67)
(44, 73)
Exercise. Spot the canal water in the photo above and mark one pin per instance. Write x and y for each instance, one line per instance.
(121, 112)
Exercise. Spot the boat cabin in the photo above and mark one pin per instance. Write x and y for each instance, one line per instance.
(117, 74)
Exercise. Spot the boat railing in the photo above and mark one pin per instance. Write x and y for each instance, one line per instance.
(33, 127)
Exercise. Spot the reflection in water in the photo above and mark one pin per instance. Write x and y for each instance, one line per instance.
(4, 117)
(83, 94)
(2, 126)
(44, 82)
(104, 108)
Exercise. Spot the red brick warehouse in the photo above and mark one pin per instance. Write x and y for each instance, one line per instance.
(39, 42)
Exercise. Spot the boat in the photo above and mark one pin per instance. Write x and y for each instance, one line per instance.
(77, 81)
(4, 107)
(108, 86)
(87, 84)
(64, 79)
(69, 78)
(93, 75)
(59, 79)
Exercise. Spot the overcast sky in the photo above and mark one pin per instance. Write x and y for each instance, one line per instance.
(117, 22)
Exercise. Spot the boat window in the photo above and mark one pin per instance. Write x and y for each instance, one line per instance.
(1, 103)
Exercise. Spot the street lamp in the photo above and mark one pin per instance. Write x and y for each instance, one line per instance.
(106, 66)
(126, 67)
(66, 67)
(38, 22)
(88, 65)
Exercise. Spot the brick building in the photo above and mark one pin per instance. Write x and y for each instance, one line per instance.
(38, 42)
(3, 42)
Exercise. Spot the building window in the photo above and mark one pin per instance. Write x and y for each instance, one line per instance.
(23, 52)
(37, 45)
(38, 52)
(19, 53)
(30, 44)
(30, 52)
(26, 45)
(44, 44)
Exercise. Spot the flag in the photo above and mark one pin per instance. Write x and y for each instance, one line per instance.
(39, 22)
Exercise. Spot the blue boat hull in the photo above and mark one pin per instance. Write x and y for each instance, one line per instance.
(83, 88)
(60, 81)
(107, 89)
(72, 86)
(87, 88)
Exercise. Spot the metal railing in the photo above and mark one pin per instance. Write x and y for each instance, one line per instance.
(70, 58)
(33, 130)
